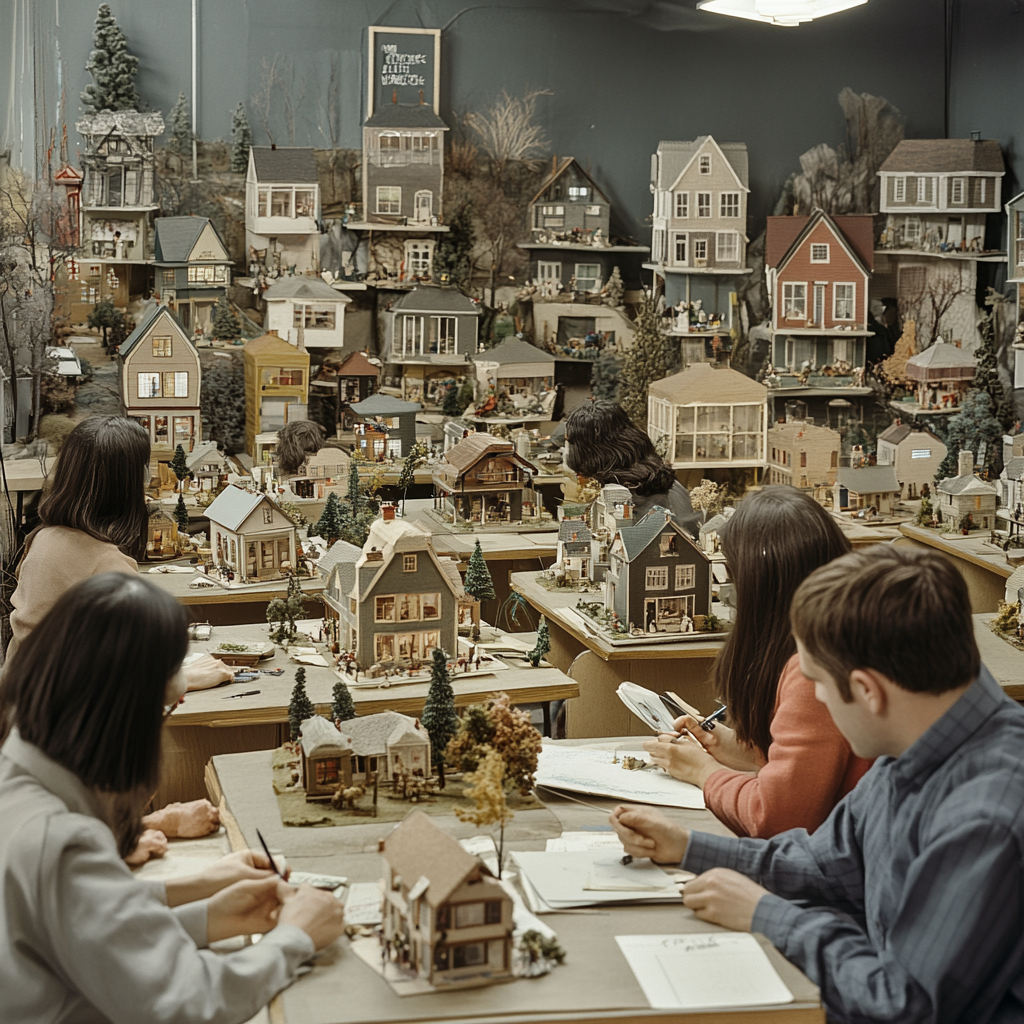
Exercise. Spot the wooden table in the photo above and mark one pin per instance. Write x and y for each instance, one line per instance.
(594, 984)
(599, 666)
(208, 724)
(1002, 659)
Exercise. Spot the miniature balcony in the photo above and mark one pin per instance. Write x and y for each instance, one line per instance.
(283, 226)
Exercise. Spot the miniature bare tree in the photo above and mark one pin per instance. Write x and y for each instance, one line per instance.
(933, 299)
(508, 130)
(278, 78)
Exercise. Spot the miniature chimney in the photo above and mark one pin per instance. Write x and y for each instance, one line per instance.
(387, 510)
(966, 464)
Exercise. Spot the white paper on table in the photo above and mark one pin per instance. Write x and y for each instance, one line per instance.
(703, 971)
(647, 706)
(577, 841)
(586, 770)
(609, 874)
(363, 904)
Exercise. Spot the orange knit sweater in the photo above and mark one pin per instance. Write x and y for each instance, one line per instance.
(810, 768)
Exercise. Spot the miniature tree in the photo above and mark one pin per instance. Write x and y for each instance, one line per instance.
(178, 127)
(225, 325)
(343, 708)
(479, 584)
(542, 646)
(283, 611)
(179, 465)
(102, 317)
(223, 404)
(454, 253)
(646, 361)
(708, 497)
(119, 331)
(301, 707)
(987, 376)
(925, 513)
(439, 717)
(330, 525)
(487, 791)
(241, 140)
(614, 289)
(971, 427)
(458, 399)
(417, 456)
(357, 514)
(537, 947)
(112, 67)
(181, 515)
(605, 377)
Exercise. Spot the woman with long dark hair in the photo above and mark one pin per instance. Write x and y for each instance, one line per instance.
(603, 444)
(80, 937)
(780, 762)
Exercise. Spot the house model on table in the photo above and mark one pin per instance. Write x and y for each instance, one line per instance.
(866, 487)
(444, 908)
(161, 534)
(803, 455)
(357, 378)
(914, 454)
(276, 386)
(307, 303)
(160, 378)
(482, 480)
(1015, 279)
(251, 535)
(1011, 493)
(209, 467)
(193, 269)
(515, 381)
(941, 376)
(385, 426)
(577, 551)
(966, 495)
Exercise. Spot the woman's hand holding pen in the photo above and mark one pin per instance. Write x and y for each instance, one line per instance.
(721, 744)
(683, 758)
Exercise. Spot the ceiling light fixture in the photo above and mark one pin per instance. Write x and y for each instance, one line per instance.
(778, 12)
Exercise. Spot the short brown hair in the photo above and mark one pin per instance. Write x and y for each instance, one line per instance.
(896, 610)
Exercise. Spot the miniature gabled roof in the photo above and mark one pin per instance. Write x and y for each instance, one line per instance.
(868, 479)
(271, 343)
(420, 849)
(436, 300)
(676, 157)
(405, 115)
(147, 321)
(895, 434)
(357, 365)
(125, 122)
(703, 384)
(235, 504)
(564, 164)
(942, 354)
(408, 731)
(478, 444)
(368, 735)
(514, 350)
(320, 736)
(176, 238)
(714, 524)
(613, 493)
(1015, 581)
(640, 533)
(286, 165)
(939, 156)
(304, 286)
(205, 450)
(966, 484)
(383, 405)
(853, 231)
(389, 537)
(567, 528)
(1014, 468)
(450, 567)
(339, 551)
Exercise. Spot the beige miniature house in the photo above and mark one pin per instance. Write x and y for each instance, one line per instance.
(161, 534)
(803, 455)
(326, 758)
(446, 917)
(251, 534)
(915, 455)
(866, 487)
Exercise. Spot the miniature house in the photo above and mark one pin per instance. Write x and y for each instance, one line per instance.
(442, 907)
(868, 487)
(1011, 493)
(381, 743)
(282, 209)
(357, 378)
(328, 464)
(326, 760)
(251, 535)
(941, 375)
(658, 579)
(1015, 279)
(276, 386)
(915, 455)
(193, 269)
(714, 417)
(161, 534)
(337, 568)
(209, 467)
(572, 327)
(160, 383)
(482, 480)
(577, 550)
(966, 495)
(385, 426)
(309, 304)
(803, 455)
(519, 377)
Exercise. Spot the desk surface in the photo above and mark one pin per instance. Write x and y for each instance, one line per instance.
(972, 548)
(595, 983)
(26, 474)
(209, 708)
(177, 585)
(1002, 659)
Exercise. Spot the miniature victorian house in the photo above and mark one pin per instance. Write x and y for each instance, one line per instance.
(966, 495)
(914, 454)
(1015, 278)
(208, 467)
(309, 304)
(866, 487)
(276, 386)
(386, 426)
(442, 907)
(161, 534)
(515, 382)
(193, 269)
(251, 535)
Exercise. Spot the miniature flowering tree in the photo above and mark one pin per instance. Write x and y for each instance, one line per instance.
(179, 466)
(343, 708)
(542, 646)
(241, 140)
(487, 791)
(439, 717)
(283, 611)
(181, 515)
(709, 498)
(330, 525)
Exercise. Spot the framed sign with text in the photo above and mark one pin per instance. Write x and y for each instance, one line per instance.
(403, 64)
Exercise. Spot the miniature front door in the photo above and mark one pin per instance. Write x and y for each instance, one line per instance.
(424, 206)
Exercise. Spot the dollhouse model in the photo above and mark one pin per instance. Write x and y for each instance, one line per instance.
(1011, 493)
(443, 909)
(276, 386)
(208, 467)
(515, 381)
(328, 465)
(118, 204)
(713, 417)
(357, 378)
(160, 380)
(699, 241)
(309, 304)
(658, 579)
(941, 376)
(386, 426)
(482, 480)
(1015, 279)
(867, 487)
(803, 455)
(193, 269)
(431, 335)
(251, 535)
(578, 551)
(575, 329)
(914, 454)
(965, 500)
(161, 534)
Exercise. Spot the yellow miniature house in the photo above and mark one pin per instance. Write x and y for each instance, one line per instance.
(276, 386)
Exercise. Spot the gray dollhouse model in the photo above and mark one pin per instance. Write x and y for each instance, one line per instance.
(966, 495)
(941, 376)
(713, 417)
(866, 487)
(251, 535)
(431, 336)
(578, 551)
(308, 304)
(803, 455)
(160, 379)
(193, 269)
(118, 204)
(442, 907)
(914, 454)
(515, 381)
(699, 238)
(385, 426)
(282, 209)
(482, 480)
(658, 579)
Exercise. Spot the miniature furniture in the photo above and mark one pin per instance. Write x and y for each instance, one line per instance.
(276, 386)
(308, 304)
(915, 455)
(482, 480)
(192, 269)
(251, 535)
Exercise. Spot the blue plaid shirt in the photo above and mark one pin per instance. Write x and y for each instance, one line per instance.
(912, 891)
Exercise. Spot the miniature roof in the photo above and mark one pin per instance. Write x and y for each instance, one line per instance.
(945, 155)
(473, 448)
(676, 155)
(271, 343)
(204, 451)
(235, 504)
(357, 365)
(368, 735)
(327, 456)
(797, 429)
(303, 286)
(868, 479)
(1014, 468)
(568, 527)
(147, 321)
(564, 164)
(855, 231)
(154, 508)
(450, 567)
(339, 551)
(407, 732)
(966, 484)
(1015, 581)
(291, 165)
(418, 848)
(942, 355)
(895, 434)
(612, 493)
(125, 122)
(384, 405)
(176, 237)
(405, 115)
(703, 384)
(436, 300)
(514, 350)
(714, 524)
(68, 175)
(641, 532)
(320, 736)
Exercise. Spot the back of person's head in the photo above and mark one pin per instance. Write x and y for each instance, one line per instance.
(605, 445)
(100, 479)
(773, 541)
(902, 612)
(87, 685)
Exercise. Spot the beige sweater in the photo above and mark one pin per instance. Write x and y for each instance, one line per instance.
(57, 559)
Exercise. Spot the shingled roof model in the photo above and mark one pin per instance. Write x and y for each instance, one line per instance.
(939, 156)
(785, 235)
(176, 238)
(675, 156)
(303, 286)
(869, 479)
(895, 434)
(563, 165)
(514, 350)
(234, 504)
(636, 537)
(405, 115)
(436, 300)
(704, 384)
(285, 165)
(148, 318)
(124, 122)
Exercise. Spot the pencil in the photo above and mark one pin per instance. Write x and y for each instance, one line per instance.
(266, 850)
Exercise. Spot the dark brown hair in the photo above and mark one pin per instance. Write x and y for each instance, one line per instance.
(100, 480)
(776, 538)
(605, 445)
(899, 611)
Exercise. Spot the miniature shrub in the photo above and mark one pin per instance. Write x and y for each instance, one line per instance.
(55, 428)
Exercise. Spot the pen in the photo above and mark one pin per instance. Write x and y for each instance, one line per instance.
(270, 856)
(248, 693)
(708, 725)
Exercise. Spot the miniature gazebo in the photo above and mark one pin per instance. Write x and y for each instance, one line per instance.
(942, 374)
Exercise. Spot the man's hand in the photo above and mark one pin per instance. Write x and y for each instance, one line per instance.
(724, 897)
(721, 743)
(648, 833)
(317, 913)
(249, 907)
(235, 867)
(686, 760)
(207, 671)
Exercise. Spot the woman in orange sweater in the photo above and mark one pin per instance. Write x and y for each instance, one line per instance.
(780, 762)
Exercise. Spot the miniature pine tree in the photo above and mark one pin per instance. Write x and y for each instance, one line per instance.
(241, 140)
(646, 361)
(439, 717)
(924, 513)
(454, 253)
(179, 465)
(330, 526)
(181, 514)
(343, 708)
(355, 495)
(987, 376)
(542, 646)
(112, 67)
(972, 426)
(178, 127)
(301, 707)
(283, 611)
(226, 326)
(479, 584)
(223, 404)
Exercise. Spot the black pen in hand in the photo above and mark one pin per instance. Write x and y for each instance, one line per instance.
(270, 856)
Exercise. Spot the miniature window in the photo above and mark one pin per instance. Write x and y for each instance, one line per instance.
(982, 182)
(468, 915)
(413, 330)
(389, 199)
(208, 275)
(803, 459)
(290, 377)
(160, 429)
(167, 276)
(682, 210)
(835, 460)
(409, 608)
(956, 194)
(703, 204)
(705, 163)
(280, 202)
(176, 384)
(182, 429)
(469, 955)
(578, 192)
(162, 347)
(700, 251)
(549, 273)
(418, 257)
(313, 318)
(657, 577)
(684, 577)
(820, 252)
(384, 609)
(588, 277)
(90, 294)
(326, 770)
(268, 516)
(428, 641)
(920, 453)
(679, 248)
(390, 149)
(421, 146)
(554, 216)
(912, 229)
(304, 203)
(729, 204)
(794, 300)
(264, 202)
(924, 190)
(149, 385)
(267, 554)
(668, 546)
(843, 302)
(431, 606)
(899, 190)
(593, 211)
(492, 912)
(423, 205)
(727, 246)
(408, 563)
(352, 605)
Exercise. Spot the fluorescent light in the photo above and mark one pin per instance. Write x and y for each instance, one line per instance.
(778, 12)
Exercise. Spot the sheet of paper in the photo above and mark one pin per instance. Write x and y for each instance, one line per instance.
(611, 875)
(318, 881)
(576, 841)
(585, 770)
(363, 904)
(703, 971)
